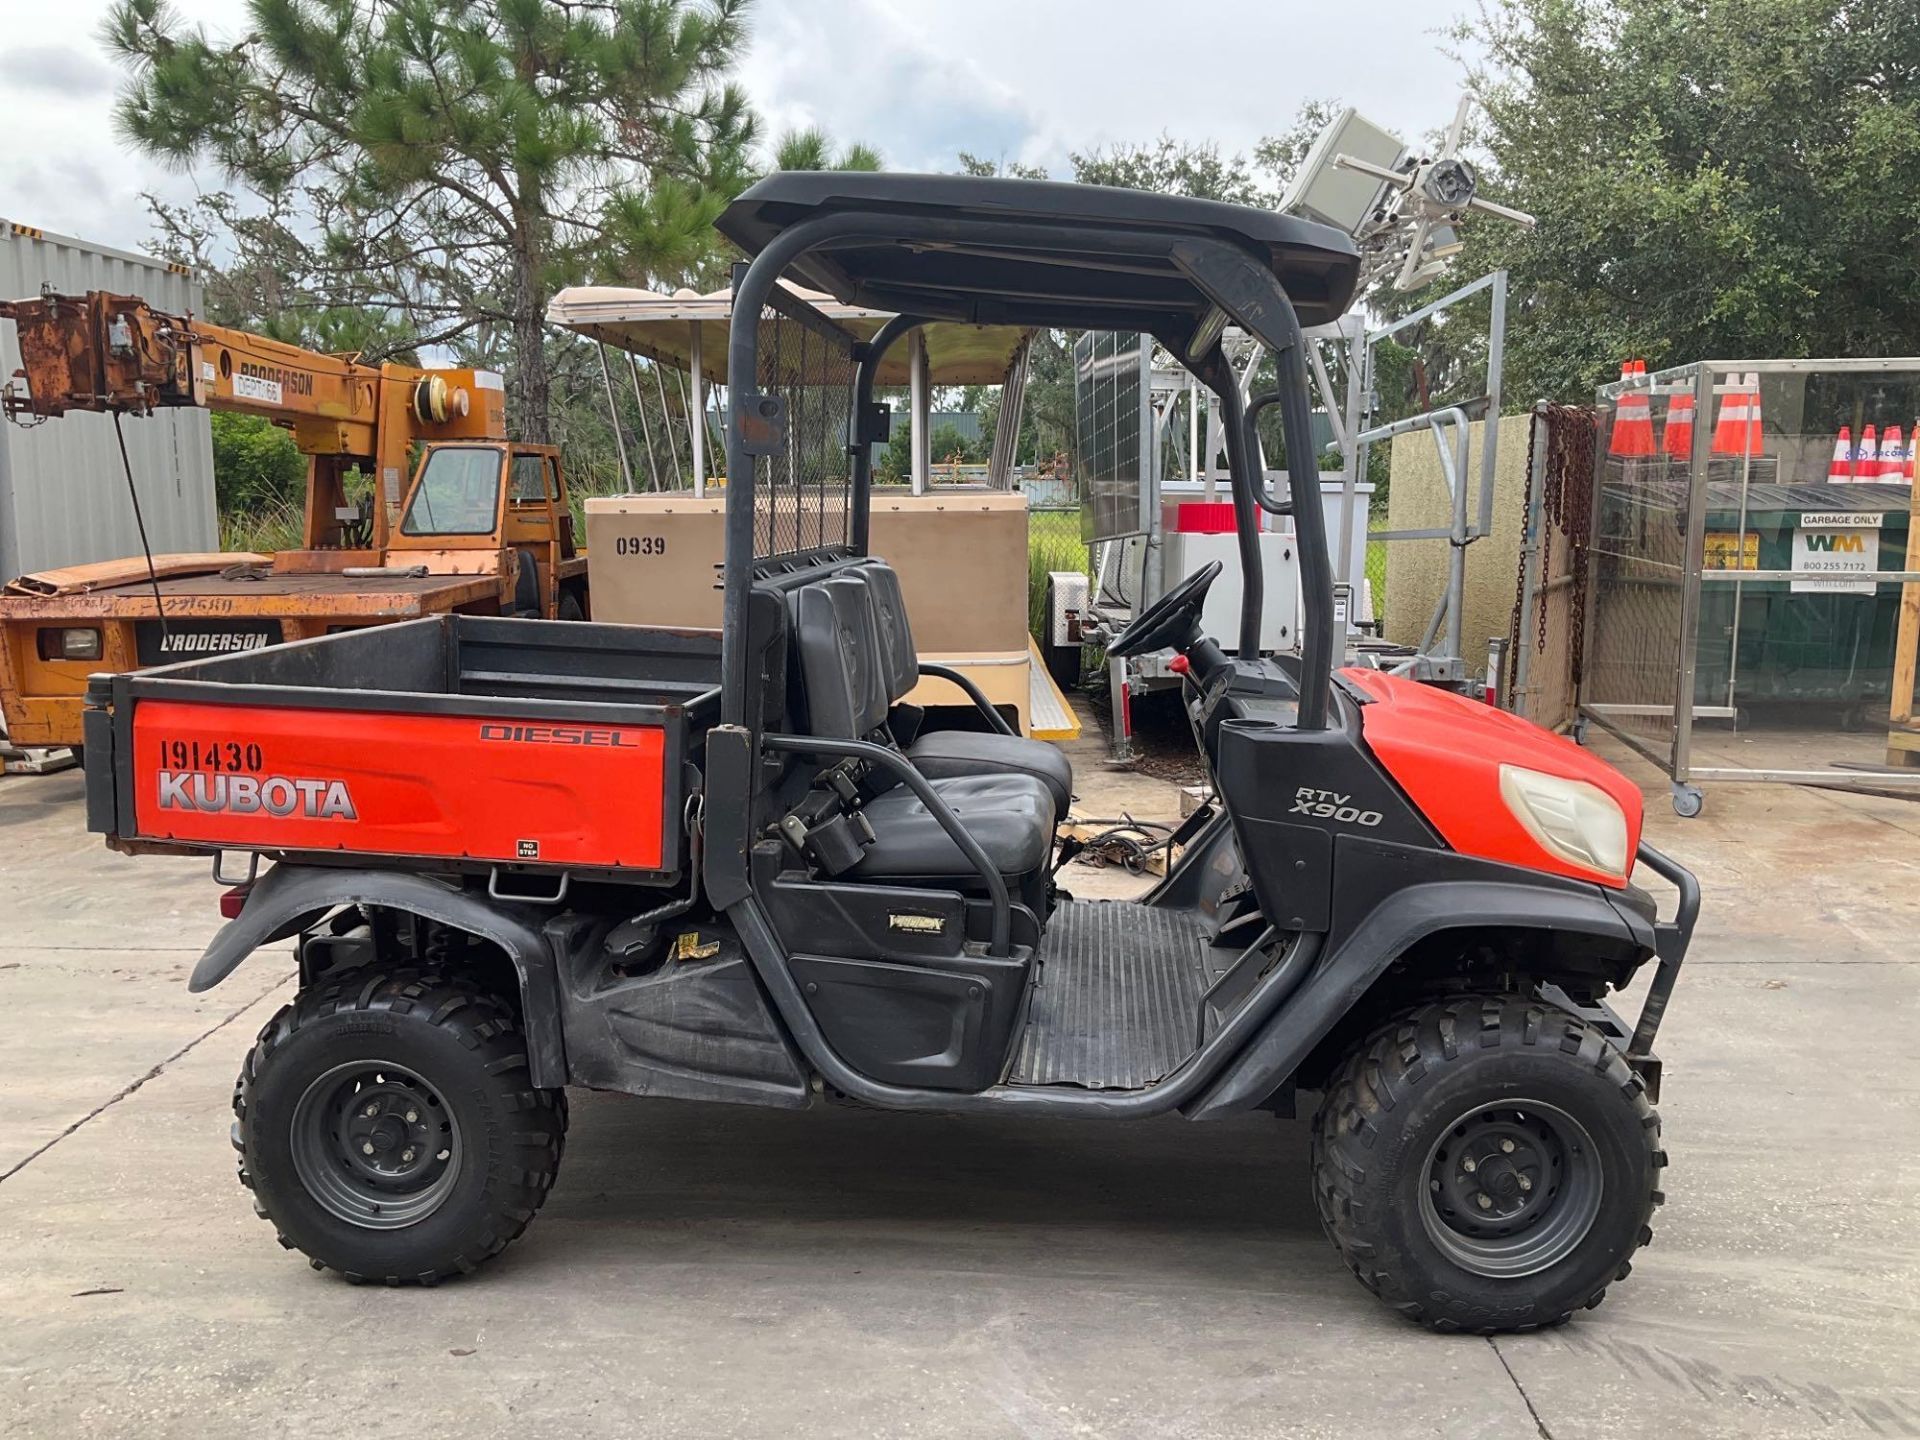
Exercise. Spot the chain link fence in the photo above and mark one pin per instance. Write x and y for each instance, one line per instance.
(1748, 579)
(1638, 577)
(1376, 558)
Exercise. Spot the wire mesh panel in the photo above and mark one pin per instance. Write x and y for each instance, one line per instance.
(803, 484)
(1750, 552)
(1113, 430)
(1638, 581)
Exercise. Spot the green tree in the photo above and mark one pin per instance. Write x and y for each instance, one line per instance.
(1711, 178)
(948, 446)
(894, 463)
(971, 164)
(250, 278)
(1176, 167)
(256, 465)
(462, 158)
(813, 149)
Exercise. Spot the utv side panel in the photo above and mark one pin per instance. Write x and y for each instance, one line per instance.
(687, 1022)
(291, 897)
(1404, 913)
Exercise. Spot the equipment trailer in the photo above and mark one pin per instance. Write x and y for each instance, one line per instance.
(485, 526)
(519, 855)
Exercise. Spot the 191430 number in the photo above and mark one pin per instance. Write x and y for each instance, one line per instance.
(229, 756)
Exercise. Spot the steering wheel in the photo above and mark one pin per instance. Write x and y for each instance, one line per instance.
(1172, 621)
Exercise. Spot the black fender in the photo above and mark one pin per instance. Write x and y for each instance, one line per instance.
(288, 898)
(1398, 921)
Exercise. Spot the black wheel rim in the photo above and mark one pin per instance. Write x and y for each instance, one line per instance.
(1511, 1188)
(375, 1145)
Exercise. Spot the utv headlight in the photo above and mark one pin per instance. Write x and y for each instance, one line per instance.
(1576, 821)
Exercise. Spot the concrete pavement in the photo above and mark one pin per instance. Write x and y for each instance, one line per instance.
(718, 1272)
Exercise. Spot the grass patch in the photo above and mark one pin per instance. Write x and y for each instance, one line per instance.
(1053, 543)
(263, 529)
(1377, 576)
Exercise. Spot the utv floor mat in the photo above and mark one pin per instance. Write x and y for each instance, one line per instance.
(1115, 1004)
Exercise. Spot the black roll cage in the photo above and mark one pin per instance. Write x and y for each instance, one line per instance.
(1238, 288)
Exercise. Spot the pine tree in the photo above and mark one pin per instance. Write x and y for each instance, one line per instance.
(453, 162)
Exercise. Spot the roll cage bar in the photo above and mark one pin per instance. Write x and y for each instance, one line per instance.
(976, 250)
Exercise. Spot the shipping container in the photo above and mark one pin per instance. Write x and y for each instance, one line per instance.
(63, 489)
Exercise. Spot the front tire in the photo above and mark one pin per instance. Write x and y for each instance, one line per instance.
(1487, 1164)
(387, 1127)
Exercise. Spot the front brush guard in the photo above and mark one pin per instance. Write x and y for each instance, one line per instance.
(1670, 941)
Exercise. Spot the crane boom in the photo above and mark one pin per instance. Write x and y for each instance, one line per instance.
(477, 523)
(115, 353)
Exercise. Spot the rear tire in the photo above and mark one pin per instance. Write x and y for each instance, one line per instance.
(1487, 1164)
(387, 1128)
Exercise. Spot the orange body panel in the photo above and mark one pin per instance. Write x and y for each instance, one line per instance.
(444, 786)
(1446, 751)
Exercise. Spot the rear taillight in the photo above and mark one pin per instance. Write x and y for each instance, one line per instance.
(76, 642)
(233, 901)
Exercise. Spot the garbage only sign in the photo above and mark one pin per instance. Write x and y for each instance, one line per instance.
(1836, 545)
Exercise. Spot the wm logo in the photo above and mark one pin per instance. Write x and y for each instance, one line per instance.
(1835, 543)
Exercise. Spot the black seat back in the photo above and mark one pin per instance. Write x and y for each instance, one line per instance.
(896, 633)
(842, 662)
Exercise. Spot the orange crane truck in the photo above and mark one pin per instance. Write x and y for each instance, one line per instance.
(483, 528)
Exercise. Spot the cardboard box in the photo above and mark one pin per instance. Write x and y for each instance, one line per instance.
(961, 554)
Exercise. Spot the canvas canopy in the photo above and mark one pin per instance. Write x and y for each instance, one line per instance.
(674, 329)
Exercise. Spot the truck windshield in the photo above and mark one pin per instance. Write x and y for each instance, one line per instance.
(458, 493)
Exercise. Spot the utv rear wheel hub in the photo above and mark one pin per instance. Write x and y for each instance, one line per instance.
(375, 1145)
(1511, 1188)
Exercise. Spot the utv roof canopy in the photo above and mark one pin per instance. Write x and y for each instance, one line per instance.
(995, 282)
(1002, 252)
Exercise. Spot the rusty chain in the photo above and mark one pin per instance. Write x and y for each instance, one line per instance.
(1566, 505)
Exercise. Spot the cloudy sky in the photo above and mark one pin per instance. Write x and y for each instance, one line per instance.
(1028, 80)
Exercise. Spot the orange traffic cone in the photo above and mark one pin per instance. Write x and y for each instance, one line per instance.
(1866, 459)
(1730, 431)
(1893, 457)
(1677, 439)
(1633, 419)
(1840, 468)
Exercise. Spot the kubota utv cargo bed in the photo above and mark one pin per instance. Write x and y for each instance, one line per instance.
(478, 743)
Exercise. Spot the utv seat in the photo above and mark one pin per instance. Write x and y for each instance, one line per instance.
(950, 754)
(956, 754)
(1010, 816)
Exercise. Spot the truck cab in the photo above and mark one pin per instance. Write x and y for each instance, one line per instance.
(501, 507)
